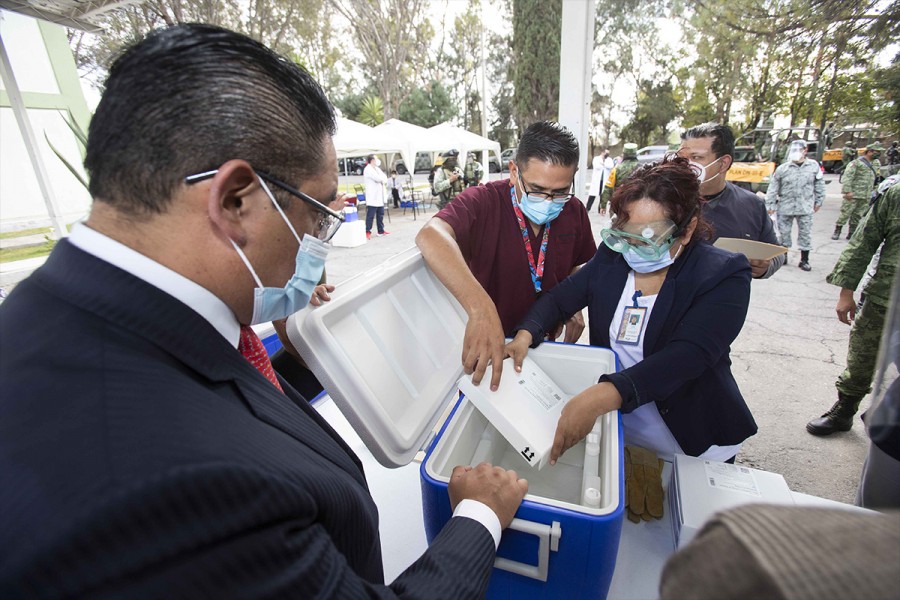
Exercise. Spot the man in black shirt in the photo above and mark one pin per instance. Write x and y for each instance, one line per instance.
(733, 211)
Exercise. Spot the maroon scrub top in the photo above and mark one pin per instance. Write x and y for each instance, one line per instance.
(490, 238)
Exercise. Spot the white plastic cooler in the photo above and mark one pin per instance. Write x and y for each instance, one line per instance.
(387, 349)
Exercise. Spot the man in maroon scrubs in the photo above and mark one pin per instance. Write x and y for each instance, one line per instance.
(496, 247)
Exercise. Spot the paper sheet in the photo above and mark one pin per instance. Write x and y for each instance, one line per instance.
(750, 248)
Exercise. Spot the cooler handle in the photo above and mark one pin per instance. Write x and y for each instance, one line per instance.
(549, 540)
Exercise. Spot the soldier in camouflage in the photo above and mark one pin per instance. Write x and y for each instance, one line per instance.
(796, 191)
(858, 182)
(620, 173)
(448, 180)
(881, 225)
(473, 171)
(848, 155)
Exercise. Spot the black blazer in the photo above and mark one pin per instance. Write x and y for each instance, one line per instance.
(686, 369)
(142, 456)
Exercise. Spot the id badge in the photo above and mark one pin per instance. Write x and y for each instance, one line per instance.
(631, 326)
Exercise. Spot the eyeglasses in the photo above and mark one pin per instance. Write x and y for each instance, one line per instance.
(329, 220)
(555, 197)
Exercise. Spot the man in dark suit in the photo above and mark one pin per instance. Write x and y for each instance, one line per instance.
(141, 455)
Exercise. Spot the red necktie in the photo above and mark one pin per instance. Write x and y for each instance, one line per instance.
(254, 351)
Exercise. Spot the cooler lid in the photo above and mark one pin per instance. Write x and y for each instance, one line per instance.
(387, 349)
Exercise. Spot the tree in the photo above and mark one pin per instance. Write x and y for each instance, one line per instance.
(372, 111)
(389, 34)
(461, 67)
(656, 108)
(428, 106)
(296, 28)
(536, 45)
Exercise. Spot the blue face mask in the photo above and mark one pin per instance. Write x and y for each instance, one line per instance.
(269, 303)
(538, 210)
(639, 264)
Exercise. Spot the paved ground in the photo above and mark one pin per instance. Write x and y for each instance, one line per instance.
(786, 359)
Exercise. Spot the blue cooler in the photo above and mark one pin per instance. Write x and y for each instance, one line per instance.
(387, 349)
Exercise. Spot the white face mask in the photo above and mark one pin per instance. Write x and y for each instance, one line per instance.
(701, 175)
(377, 162)
(795, 155)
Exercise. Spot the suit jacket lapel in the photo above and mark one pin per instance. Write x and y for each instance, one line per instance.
(133, 304)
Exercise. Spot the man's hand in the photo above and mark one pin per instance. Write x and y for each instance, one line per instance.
(453, 177)
(816, 208)
(759, 267)
(848, 195)
(483, 345)
(771, 212)
(846, 306)
(501, 490)
(574, 328)
(578, 416)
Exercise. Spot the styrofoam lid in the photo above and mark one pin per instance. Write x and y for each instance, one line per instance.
(387, 348)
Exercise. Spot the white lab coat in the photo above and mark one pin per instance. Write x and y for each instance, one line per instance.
(374, 180)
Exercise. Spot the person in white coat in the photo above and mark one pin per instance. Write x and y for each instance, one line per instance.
(374, 180)
(601, 165)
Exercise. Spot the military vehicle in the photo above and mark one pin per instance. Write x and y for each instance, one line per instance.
(758, 152)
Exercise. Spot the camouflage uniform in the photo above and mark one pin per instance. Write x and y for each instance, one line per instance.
(473, 172)
(859, 180)
(794, 191)
(445, 189)
(848, 155)
(620, 173)
(880, 227)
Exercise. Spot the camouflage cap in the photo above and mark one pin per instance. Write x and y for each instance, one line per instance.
(876, 146)
(451, 153)
(629, 150)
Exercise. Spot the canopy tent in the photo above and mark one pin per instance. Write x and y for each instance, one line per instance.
(356, 139)
(465, 141)
(413, 137)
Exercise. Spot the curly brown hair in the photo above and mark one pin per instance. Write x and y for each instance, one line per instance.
(670, 182)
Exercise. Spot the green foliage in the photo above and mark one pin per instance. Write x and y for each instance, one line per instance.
(887, 84)
(656, 108)
(372, 111)
(428, 106)
(535, 45)
(351, 104)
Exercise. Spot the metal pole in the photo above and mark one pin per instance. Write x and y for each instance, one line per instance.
(18, 106)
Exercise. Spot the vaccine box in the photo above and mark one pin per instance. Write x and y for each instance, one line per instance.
(388, 348)
(700, 488)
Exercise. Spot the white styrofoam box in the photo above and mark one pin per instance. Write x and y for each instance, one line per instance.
(387, 348)
(350, 235)
(525, 407)
(700, 488)
(470, 438)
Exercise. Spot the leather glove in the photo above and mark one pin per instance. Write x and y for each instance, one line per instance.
(643, 484)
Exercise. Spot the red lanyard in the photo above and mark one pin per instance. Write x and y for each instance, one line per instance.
(537, 271)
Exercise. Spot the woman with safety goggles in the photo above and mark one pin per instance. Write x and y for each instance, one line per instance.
(669, 305)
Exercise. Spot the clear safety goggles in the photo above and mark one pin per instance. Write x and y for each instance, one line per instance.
(648, 240)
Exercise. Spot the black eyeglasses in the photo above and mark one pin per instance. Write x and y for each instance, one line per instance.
(329, 220)
(555, 197)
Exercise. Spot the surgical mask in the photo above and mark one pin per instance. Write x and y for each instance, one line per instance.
(640, 264)
(538, 210)
(701, 170)
(377, 162)
(270, 303)
(795, 155)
